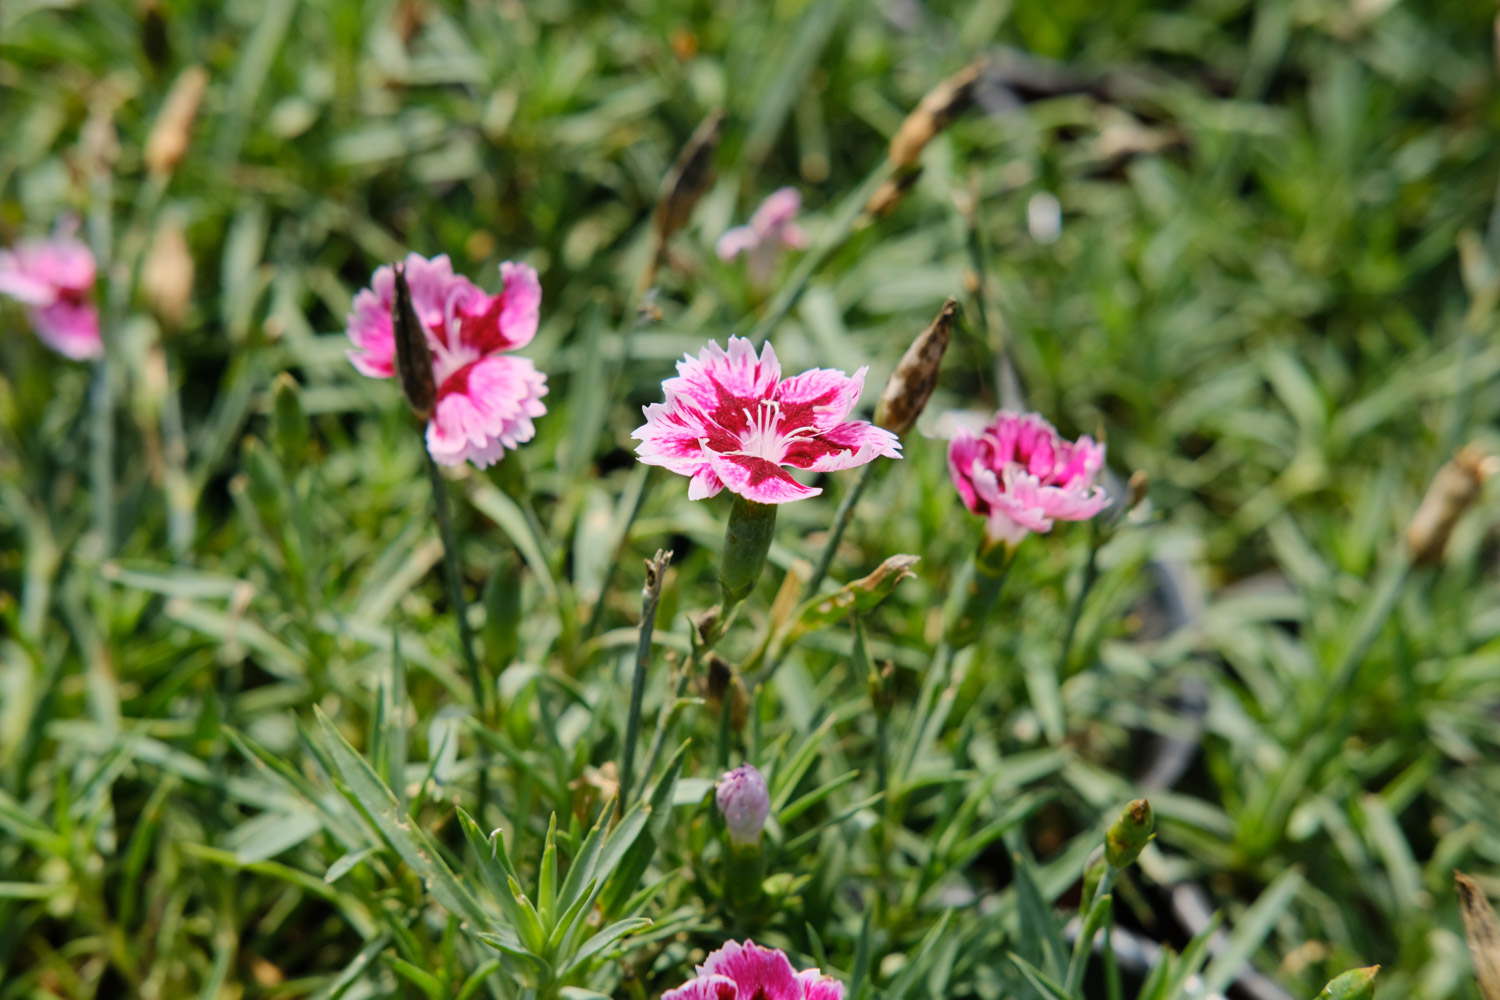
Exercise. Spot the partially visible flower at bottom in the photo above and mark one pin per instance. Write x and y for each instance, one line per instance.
(54, 279)
(749, 972)
(1021, 476)
(486, 399)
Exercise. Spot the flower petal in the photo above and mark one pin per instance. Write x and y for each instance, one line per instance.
(846, 446)
(69, 328)
(820, 987)
(735, 242)
(757, 479)
(704, 988)
(760, 973)
(820, 398)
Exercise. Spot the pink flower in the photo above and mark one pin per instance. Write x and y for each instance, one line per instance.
(54, 279)
(485, 400)
(749, 972)
(1022, 476)
(772, 228)
(731, 420)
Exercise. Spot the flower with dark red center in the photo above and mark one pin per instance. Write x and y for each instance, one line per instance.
(1021, 476)
(749, 972)
(54, 279)
(731, 421)
(486, 400)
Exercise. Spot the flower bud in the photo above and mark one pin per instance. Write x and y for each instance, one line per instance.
(932, 114)
(747, 539)
(1356, 984)
(168, 142)
(1129, 835)
(912, 382)
(413, 358)
(1453, 491)
(744, 802)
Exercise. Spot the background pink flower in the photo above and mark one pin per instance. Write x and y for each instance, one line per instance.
(731, 421)
(54, 279)
(771, 230)
(749, 972)
(1021, 475)
(486, 401)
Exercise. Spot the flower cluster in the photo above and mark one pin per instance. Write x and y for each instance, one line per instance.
(749, 972)
(486, 400)
(54, 279)
(730, 421)
(1021, 476)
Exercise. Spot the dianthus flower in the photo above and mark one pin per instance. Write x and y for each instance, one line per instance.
(486, 400)
(54, 279)
(731, 421)
(749, 972)
(1022, 476)
(771, 230)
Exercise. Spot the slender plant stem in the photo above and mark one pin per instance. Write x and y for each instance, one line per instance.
(650, 597)
(841, 519)
(460, 607)
(642, 486)
(1075, 611)
(1084, 943)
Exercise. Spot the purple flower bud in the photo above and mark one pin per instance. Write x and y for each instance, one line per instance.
(745, 804)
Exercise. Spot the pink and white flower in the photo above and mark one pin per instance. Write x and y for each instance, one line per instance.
(54, 279)
(1021, 475)
(731, 421)
(486, 400)
(772, 229)
(749, 972)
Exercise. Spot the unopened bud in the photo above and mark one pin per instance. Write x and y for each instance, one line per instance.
(891, 191)
(168, 142)
(1482, 930)
(912, 382)
(167, 274)
(413, 358)
(688, 178)
(1453, 491)
(932, 114)
(1129, 835)
(745, 802)
(1356, 984)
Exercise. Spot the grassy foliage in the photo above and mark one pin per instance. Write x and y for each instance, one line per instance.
(239, 755)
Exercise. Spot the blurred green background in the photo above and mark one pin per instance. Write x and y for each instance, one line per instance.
(1271, 290)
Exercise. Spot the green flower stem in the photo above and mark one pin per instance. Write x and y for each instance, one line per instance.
(650, 598)
(747, 539)
(1089, 917)
(1075, 611)
(974, 594)
(460, 607)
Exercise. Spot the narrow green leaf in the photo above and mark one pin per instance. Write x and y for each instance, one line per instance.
(1251, 930)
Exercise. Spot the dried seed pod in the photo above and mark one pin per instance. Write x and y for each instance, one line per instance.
(688, 178)
(723, 681)
(1453, 491)
(1483, 933)
(932, 114)
(167, 274)
(413, 359)
(169, 138)
(911, 384)
(891, 191)
(1135, 490)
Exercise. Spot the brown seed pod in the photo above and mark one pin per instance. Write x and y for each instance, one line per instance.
(891, 191)
(167, 275)
(1483, 932)
(911, 384)
(688, 178)
(932, 114)
(168, 142)
(1453, 491)
(413, 359)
